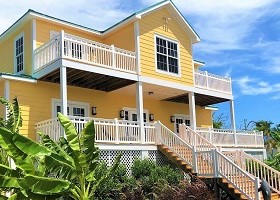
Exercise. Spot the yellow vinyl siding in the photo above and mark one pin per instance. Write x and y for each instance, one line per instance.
(7, 49)
(123, 38)
(43, 29)
(152, 24)
(36, 104)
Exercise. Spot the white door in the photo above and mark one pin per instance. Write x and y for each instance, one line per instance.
(180, 120)
(73, 109)
(132, 116)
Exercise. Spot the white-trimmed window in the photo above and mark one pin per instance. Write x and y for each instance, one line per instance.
(180, 119)
(167, 55)
(19, 53)
(74, 108)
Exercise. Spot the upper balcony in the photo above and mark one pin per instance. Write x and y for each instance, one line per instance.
(82, 50)
(212, 82)
(106, 57)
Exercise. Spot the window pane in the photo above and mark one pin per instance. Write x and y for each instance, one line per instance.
(161, 62)
(173, 65)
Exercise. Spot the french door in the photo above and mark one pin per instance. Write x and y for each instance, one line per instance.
(180, 120)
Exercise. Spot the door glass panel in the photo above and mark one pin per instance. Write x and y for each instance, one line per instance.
(80, 112)
(178, 122)
(134, 117)
(58, 109)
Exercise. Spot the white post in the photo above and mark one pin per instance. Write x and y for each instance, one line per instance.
(140, 116)
(34, 62)
(117, 130)
(62, 44)
(113, 56)
(257, 185)
(192, 110)
(215, 163)
(232, 117)
(137, 46)
(157, 133)
(63, 90)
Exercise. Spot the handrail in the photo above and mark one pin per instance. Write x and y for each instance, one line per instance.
(83, 50)
(244, 182)
(230, 138)
(107, 130)
(214, 82)
(256, 168)
(176, 144)
(222, 166)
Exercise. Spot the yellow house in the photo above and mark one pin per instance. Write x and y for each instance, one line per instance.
(126, 78)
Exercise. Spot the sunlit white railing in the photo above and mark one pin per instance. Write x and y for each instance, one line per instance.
(256, 168)
(208, 81)
(85, 51)
(207, 160)
(106, 130)
(228, 138)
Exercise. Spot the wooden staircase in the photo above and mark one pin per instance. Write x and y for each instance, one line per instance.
(197, 155)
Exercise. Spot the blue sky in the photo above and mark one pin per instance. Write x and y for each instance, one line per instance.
(240, 39)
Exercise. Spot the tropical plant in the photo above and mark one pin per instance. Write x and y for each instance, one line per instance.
(48, 170)
(265, 127)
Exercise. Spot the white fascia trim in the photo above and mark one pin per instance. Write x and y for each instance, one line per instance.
(182, 87)
(132, 19)
(197, 39)
(14, 78)
(198, 63)
(153, 8)
(45, 70)
(99, 70)
(63, 23)
(257, 149)
(164, 83)
(135, 147)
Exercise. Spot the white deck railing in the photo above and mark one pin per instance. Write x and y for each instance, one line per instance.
(228, 138)
(207, 160)
(106, 130)
(208, 81)
(86, 51)
(256, 168)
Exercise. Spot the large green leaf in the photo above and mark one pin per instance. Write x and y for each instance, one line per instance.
(9, 182)
(14, 121)
(43, 185)
(30, 147)
(22, 160)
(7, 171)
(90, 152)
(49, 143)
(70, 132)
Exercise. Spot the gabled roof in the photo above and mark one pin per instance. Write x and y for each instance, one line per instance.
(30, 14)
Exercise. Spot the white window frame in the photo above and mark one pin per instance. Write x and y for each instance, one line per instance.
(70, 104)
(185, 117)
(178, 52)
(134, 110)
(15, 59)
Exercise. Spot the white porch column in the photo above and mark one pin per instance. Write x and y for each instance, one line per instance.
(192, 110)
(63, 90)
(232, 118)
(139, 102)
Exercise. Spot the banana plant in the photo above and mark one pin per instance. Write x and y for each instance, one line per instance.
(49, 170)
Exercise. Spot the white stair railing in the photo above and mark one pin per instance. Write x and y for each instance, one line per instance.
(205, 159)
(256, 168)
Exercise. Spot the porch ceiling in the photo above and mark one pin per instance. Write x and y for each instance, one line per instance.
(200, 99)
(84, 79)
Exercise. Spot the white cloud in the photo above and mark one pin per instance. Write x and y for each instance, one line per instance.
(251, 86)
(223, 24)
(97, 14)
